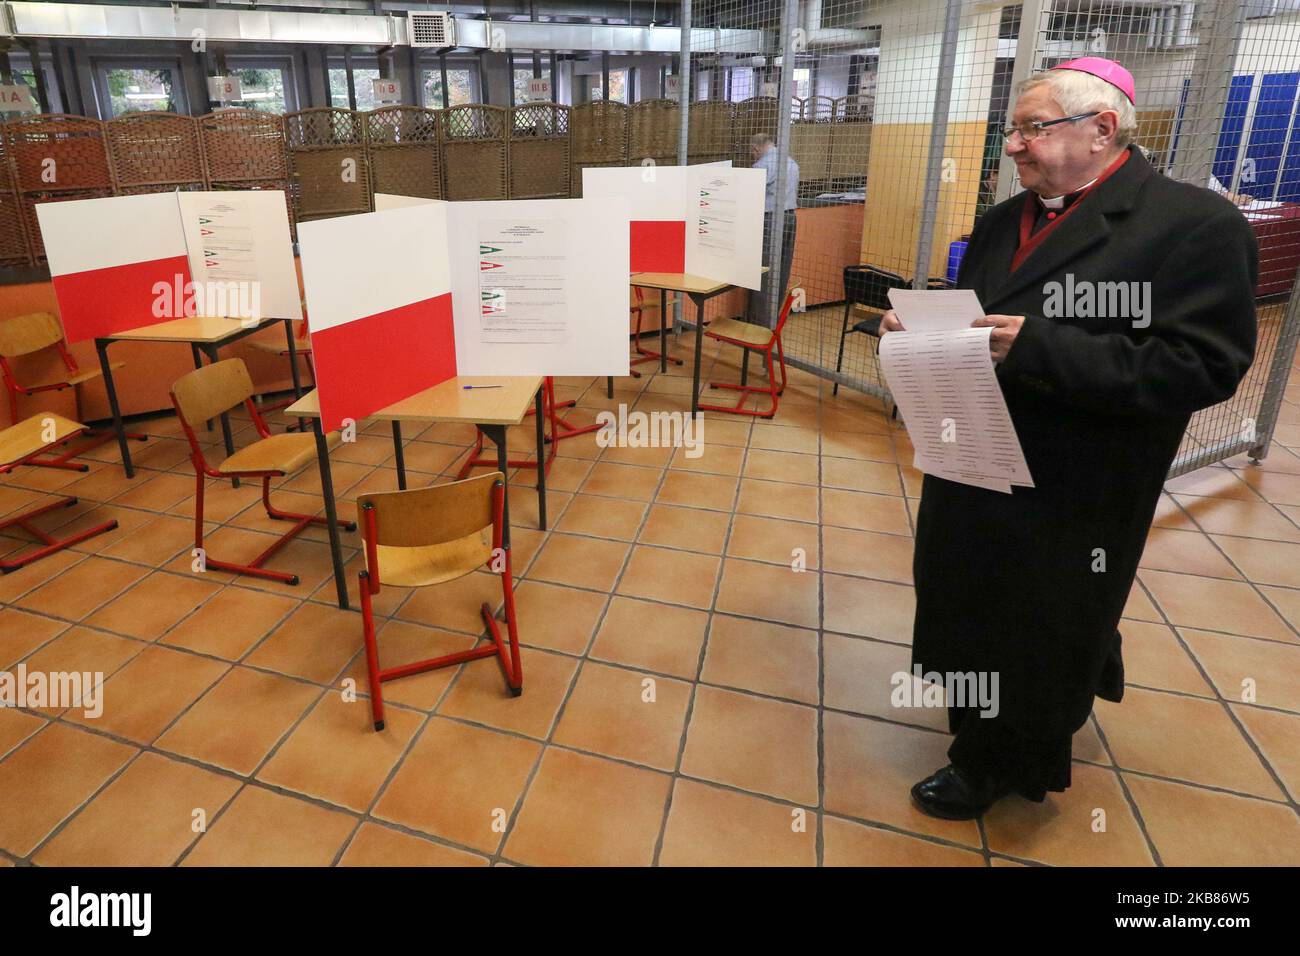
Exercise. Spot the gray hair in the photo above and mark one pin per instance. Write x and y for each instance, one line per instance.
(760, 140)
(1077, 92)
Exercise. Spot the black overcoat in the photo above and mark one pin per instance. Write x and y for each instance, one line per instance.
(1011, 583)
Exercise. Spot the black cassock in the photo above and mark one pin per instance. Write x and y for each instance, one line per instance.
(1007, 583)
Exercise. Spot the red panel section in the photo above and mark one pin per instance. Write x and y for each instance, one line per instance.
(372, 362)
(99, 302)
(659, 245)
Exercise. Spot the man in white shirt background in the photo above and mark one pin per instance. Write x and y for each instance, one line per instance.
(763, 148)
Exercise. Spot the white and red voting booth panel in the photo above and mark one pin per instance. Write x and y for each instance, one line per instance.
(704, 220)
(124, 262)
(419, 291)
(379, 296)
(107, 255)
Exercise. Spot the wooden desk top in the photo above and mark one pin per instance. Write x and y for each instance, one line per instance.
(451, 402)
(680, 282)
(199, 328)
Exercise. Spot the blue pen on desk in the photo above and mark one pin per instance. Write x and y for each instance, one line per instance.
(468, 387)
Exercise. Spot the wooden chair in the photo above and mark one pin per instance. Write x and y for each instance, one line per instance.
(35, 332)
(428, 536)
(645, 355)
(19, 445)
(753, 338)
(204, 394)
(302, 352)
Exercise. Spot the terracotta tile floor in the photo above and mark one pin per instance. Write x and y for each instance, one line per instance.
(690, 697)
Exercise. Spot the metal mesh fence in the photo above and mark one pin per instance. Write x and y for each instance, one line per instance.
(895, 129)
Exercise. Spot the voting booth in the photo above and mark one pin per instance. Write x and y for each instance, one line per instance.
(124, 262)
(704, 220)
(466, 288)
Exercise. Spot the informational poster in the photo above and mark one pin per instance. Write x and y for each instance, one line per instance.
(523, 280)
(241, 253)
(704, 220)
(715, 215)
(418, 291)
(124, 262)
(226, 244)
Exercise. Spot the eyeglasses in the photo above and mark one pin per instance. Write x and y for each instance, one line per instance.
(1032, 130)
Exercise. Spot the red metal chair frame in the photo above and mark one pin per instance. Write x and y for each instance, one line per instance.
(647, 355)
(369, 585)
(49, 543)
(766, 350)
(560, 429)
(202, 469)
(97, 436)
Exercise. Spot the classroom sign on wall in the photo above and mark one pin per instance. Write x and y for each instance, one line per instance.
(124, 262)
(704, 220)
(420, 291)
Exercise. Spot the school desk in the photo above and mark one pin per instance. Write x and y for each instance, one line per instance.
(493, 410)
(699, 290)
(205, 335)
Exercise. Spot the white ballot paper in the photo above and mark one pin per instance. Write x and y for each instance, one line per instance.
(949, 397)
(936, 310)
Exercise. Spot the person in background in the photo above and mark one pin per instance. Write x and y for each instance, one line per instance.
(763, 148)
(1030, 587)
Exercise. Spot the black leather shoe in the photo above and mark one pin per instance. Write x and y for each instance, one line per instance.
(951, 794)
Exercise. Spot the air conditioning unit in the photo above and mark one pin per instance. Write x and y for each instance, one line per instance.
(428, 29)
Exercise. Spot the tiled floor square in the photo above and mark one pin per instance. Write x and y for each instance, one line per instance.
(588, 811)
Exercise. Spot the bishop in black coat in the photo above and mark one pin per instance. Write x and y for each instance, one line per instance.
(1031, 585)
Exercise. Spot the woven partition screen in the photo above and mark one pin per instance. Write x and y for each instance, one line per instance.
(849, 149)
(653, 129)
(155, 152)
(818, 109)
(810, 147)
(405, 158)
(243, 146)
(539, 151)
(474, 151)
(598, 137)
(710, 133)
(55, 157)
(328, 163)
(757, 115)
(56, 152)
(14, 250)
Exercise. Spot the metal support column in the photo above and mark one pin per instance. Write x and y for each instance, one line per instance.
(938, 139)
(1220, 27)
(775, 292)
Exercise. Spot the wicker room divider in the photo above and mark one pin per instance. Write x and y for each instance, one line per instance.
(818, 109)
(710, 138)
(245, 149)
(539, 151)
(653, 130)
(405, 153)
(155, 152)
(14, 250)
(328, 163)
(474, 152)
(55, 157)
(810, 147)
(598, 137)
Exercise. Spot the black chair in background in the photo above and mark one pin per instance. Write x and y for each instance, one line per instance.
(867, 288)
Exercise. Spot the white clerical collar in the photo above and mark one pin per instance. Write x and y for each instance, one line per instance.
(1058, 202)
